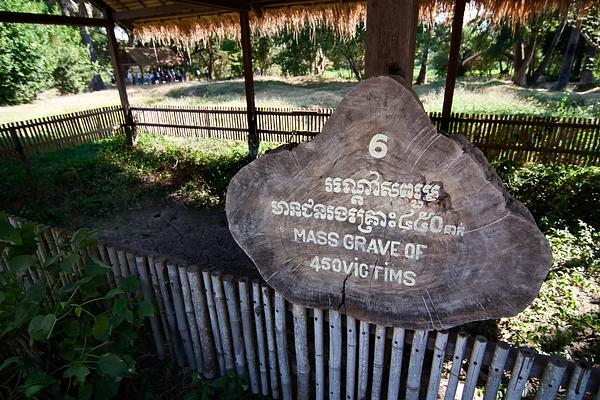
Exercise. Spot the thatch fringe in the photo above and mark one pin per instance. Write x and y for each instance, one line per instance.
(342, 17)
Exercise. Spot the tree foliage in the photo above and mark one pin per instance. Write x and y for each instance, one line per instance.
(34, 58)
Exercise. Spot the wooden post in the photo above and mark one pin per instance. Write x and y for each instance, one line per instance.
(253, 139)
(113, 47)
(457, 22)
(20, 150)
(391, 38)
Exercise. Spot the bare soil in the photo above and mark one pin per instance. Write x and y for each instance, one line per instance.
(178, 232)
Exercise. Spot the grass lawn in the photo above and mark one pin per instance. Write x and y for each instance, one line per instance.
(98, 180)
(471, 96)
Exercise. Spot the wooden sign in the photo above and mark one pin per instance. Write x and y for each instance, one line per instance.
(384, 218)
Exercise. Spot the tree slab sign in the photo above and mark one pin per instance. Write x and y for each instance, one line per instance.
(387, 220)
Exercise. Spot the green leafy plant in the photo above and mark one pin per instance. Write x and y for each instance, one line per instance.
(227, 387)
(64, 334)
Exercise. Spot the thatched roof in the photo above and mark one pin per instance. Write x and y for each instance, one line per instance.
(193, 21)
(150, 57)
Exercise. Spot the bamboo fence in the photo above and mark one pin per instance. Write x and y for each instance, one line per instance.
(19, 140)
(214, 323)
(574, 141)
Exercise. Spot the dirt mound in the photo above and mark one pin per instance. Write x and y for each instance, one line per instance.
(195, 236)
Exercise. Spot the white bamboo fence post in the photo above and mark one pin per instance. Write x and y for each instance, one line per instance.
(335, 355)
(520, 374)
(233, 312)
(122, 259)
(114, 263)
(42, 251)
(160, 269)
(184, 332)
(142, 267)
(248, 333)
(378, 362)
(350, 357)
(131, 263)
(457, 360)
(202, 322)
(437, 365)
(496, 371)
(188, 308)
(158, 298)
(52, 245)
(261, 346)
(282, 353)
(415, 365)
(474, 367)
(214, 320)
(102, 251)
(396, 364)
(271, 346)
(579, 380)
(217, 287)
(319, 351)
(552, 378)
(58, 239)
(301, 345)
(363, 360)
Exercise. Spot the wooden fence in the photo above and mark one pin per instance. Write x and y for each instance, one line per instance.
(518, 138)
(215, 323)
(43, 135)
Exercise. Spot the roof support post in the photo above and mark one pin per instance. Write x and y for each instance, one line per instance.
(253, 139)
(113, 47)
(391, 38)
(457, 23)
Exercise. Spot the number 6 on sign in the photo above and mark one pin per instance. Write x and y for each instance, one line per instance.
(377, 146)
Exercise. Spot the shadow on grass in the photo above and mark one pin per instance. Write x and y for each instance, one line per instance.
(98, 179)
(294, 93)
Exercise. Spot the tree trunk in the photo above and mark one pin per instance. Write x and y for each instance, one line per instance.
(96, 82)
(523, 57)
(422, 78)
(587, 76)
(541, 69)
(563, 77)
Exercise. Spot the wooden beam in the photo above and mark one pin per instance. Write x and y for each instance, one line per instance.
(47, 19)
(253, 139)
(102, 6)
(457, 23)
(161, 11)
(113, 47)
(391, 38)
(234, 5)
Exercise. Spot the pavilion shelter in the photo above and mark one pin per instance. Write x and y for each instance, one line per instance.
(390, 44)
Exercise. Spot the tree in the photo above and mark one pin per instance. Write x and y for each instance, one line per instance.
(26, 60)
(524, 49)
(424, 41)
(548, 52)
(565, 71)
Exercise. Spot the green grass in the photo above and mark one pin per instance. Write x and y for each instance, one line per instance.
(471, 96)
(98, 179)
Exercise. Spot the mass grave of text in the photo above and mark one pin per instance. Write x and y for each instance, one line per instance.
(387, 220)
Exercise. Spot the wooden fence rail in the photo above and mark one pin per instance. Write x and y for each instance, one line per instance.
(214, 323)
(18, 140)
(518, 138)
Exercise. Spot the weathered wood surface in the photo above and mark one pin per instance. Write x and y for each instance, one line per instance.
(386, 220)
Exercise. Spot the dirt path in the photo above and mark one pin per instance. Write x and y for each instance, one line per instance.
(196, 236)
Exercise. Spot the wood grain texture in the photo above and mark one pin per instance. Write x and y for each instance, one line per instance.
(408, 256)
